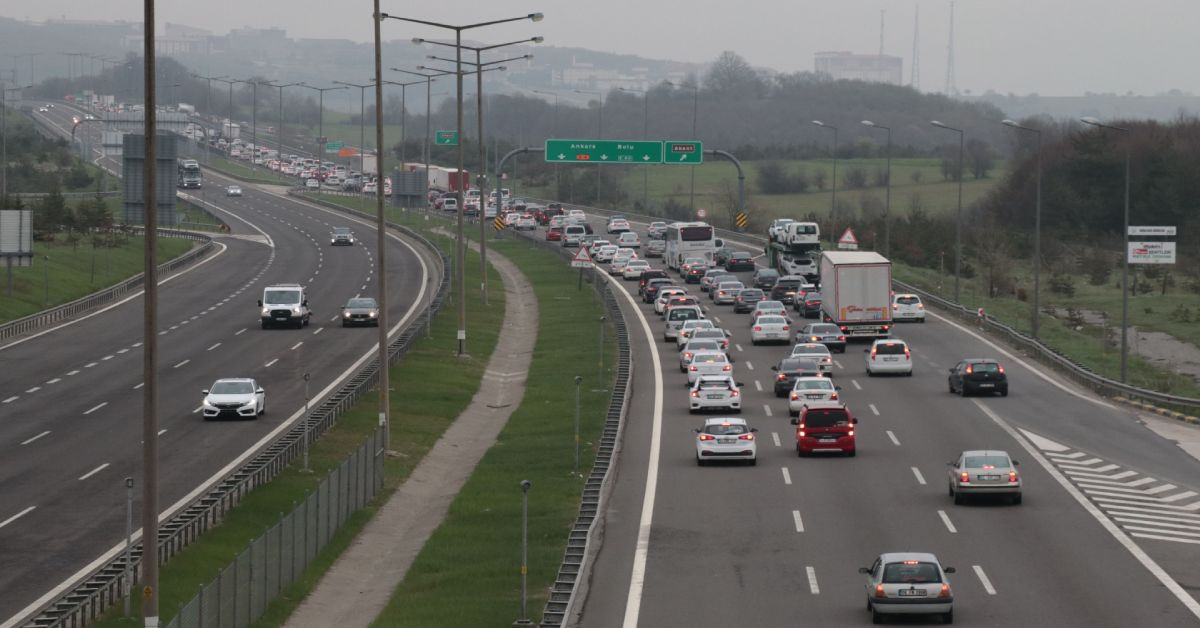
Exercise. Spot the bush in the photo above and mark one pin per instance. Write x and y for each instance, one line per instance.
(1062, 283)
(1098, 267)
(855, 178)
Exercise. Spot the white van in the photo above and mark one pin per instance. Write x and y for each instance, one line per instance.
(573, 235)
(284, 304)
(629, 239)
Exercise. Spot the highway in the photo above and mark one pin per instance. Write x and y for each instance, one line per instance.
(70, 399)
(1108, 534)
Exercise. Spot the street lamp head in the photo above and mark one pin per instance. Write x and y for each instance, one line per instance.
(418, 41)
(1092, 121)
(537, 40)
(526, 485)
(1007, 122)
(818, 123)
(502, 68)
(578, 380)
(868, 123)
(536, 17)
(937, 124)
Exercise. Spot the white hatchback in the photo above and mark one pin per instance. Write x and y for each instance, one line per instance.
(715, 392)
(708, 363)
(629, 239)
(815, 351)
(771, 328)
(664, 295)
(726, 439)
(908, 307)
(809, 390)
(889, 356)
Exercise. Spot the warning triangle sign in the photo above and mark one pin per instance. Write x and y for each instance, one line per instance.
(582, 258)
(848, 238)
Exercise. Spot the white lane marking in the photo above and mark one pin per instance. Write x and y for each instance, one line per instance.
(812, 581)
(11, 399)
(162, 431)
(125, 350)
(797, 520)
(107, 357)
(946, 520)
(1138, 553)
(1163, 538)
(70, 373)
(17, 516)
(102, 404)
(856, 386)
(838, 364)
(750, 366)
(319, 330)
(892, 435)
(1159, 525)
(137, 344)
(181, 364)
(174, 327)
(89, 365)
(334, 318)
(198, 408)
(30, 440)
(214, 346)
(239, 332)
(162, 333)
(1047, 445)
(738, 347)
(983, 579)
(767, 410)
(297, 345)
(874, 410)
(758, 385)
(1100, 476)
(717, 320)
(1119, 485)
(94, 471)
(54, 381)
(139, 385)
(268, 364)
(787, 475)
(775, 437)
(917, 473)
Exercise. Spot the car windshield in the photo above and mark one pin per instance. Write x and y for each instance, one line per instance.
(908, 300)
(281, 297)
(813, 297)
(341, 231)
(826, 417)
(705, 345)
(799, 364)
(694, 260)
(911, 572)
(825, 329)
(725, 429)
(361, 303)
(708, 333)
(767, 273)
(890, 348)
(814, 384)
(986, 462)
(699, 323)
(231, 388)
(729, 285)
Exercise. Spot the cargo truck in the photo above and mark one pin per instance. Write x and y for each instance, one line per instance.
(856, 290)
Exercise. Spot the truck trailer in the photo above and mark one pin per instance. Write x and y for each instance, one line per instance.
(856, 290)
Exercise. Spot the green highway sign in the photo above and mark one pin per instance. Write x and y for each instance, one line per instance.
(686, 153)
(604, 151)
(334, 146)
(446, 138)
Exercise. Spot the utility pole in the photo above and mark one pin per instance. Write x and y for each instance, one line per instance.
(150, 335)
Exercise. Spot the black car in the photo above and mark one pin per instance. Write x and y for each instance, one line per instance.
(746, 299)
(765, 278)
(978, 375)
(827, 334)
(360, 311)
(739, 260)
(722, 256)
(809, 305)
(694, 274)
(785, 289)
(647, 275)
(789, 369)
(650, 292)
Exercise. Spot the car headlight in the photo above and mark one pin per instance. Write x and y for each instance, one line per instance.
(249, 402)
(266, 311)
(295, 309)
(207, 404)
(373, 314)
(346, 314)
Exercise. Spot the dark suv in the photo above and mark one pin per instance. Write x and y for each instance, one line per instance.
(809, 304)
(765, 278)
(786, 288)
(739, 260)
(746, 299)
(978, 375)
(647, 275)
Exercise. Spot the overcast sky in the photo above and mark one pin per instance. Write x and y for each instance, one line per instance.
(1052, 47)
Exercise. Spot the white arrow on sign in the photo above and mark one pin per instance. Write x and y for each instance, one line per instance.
(683, 157)
(645, 157)
(604, 157)
(562, 156)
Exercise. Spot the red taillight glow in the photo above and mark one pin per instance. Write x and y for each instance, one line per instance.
(693, 368)
(842, 338)
(746, 437)
(786, 328)
(734, 393)
(879, 592)
(707, 437)
(1012, 476)
(726, 368)
(795, 395)
(687, 355)
(907, 352)
(945, 592)
(781, 377)
(872, 354)
(970, 369)
(842, 327)
(757, 328)
(1001, 368)
(833, 397)
(964, 477)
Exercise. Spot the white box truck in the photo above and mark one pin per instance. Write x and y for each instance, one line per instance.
(856, 291)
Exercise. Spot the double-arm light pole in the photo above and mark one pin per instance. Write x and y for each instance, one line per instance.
(832, 184)
(887, 204)
(429, 79)
(554, 133)
(362, 123)
(958, 213)
(279, 131)
(599, 129)
(1037, 229)
(695, 109)
(321, 139)
(645, 136)
(458, 76)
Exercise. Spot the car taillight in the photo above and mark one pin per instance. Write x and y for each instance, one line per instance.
(970, 369)
(833, 397)
(726, 368)
(872, 354)
(879, 592)
(795, 395)
(757, 328)
(945, 592)
(706, 437)
(885, 327)
(907, 353)
(1001, 369)
(920, 306)
(851, 433)
(800, 433)
(693, 368)
(746, 437)
(964, 477)
(687, 355)
(734, 393)
(1012, 476)
(786, 328)
(781, 377)
(842, 327)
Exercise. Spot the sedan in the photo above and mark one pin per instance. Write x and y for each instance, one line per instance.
(236, 398)
(664, 296)
(233, 190)
(770, 329)
(715, 275)
(650, 290)
(695, 346)
(726, 438)
(708, 363)
(809, 305)
(679, 300)
(726, 292)
(694, 273)
(747, 299)
(889, 356)
(526, 223)
(654, 248)
(360, 311)
(312, 184)
(715, 392)
(811, 390)
(739, 260)
(618, 225)
(763, 308)
(790, 369)
(554, 234)
(634, 268)
(978, 375)
(657, 230)
(719, 335)
(984, 472)
(604, 253)
(688, 263)
(690, 327)
(825, 333)
(908, 583)
(815, 351)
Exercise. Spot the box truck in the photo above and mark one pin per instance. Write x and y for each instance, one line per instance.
(856, 290)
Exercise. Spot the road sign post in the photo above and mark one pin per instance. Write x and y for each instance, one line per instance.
(603, 152)
(445, 138)
(848, 241)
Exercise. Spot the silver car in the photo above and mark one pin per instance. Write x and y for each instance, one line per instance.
(726, 292)
(654, 248)
(690, 327)
(727, 438)
(984, 472)
(719, 335)
(765, 308)
(235, 398)
(360, 311)
(677, 317)
(696, 346)
(908, 583)
(708, 363)
(715, 392)
(771, 329)
(809, 390)
(816, 351)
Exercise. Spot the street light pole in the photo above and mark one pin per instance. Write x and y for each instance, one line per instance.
(958, 213)
(279, 131)
(599, 130)
(1037, 230)
(1124, 253)
(229, 129)
(321, 139)
(524, 620)
(832, 185)
(887, 206)
(385, 400)
(554, 132)
(429, 78)
(645, 136)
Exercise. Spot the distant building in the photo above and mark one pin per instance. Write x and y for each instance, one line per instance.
(855, 67)
(587, 76)
(172, 39)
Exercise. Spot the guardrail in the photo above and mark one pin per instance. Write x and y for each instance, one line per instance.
(112, 294)
(1077, 371)
(87, 598)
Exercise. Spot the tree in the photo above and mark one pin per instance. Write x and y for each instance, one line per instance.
(730, 74)
(51, 213)
(772, 179)
(980, 157)
(855, 178)
(819, 179)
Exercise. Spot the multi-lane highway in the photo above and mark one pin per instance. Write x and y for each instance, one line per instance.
(70, 398)
(1107, 535)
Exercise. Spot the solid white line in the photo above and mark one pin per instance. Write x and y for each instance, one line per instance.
(812, 581)
(30, 440)
(214, 346)
(268, 364)
(758, 385)
(16, 516)
(181, 363)
(1163, 538)
(239, 332)
(917, 473)
(750, 366)
(775, 437)
(1138, 553)
(895, 441)
(873, 409)
(94, 471)
(983, 579)
(97, 408)
(797, 520)
(767, 410)
(11, 399)
(787, 475)
(1160, 524)
(946, 520)
(856, 386)
(297, 345)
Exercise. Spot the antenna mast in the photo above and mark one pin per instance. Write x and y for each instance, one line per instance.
(951, 86)
(915, 79)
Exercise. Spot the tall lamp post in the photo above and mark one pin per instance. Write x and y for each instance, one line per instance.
(832, 184)
(253, 118)
(958, 213)
(695, 109)
(553, 132)
(645, 136)
(321, 139)
(458, 76)
(1037, 229)
(228, 130)
(403, 116)
(429, 78)
(279, 131)
(362, 123)
(4, 138)
(599, 129)
(1124, 253)
(887, 204)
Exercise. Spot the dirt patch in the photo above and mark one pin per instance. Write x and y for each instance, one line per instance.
(1161, 349)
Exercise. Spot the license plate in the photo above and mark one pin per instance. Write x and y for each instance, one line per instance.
(987, 385)
(827, 438)
(813, 396)
(912, 592)
(713, 397)
(727, 441)
(889, 359)
(987, 477)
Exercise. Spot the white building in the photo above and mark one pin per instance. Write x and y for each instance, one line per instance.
(855, 67)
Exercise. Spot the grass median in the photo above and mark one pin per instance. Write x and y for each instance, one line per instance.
(430, 387)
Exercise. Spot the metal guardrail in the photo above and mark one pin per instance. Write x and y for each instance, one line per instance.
(1077, 371)
(88, 598)
(112, 294)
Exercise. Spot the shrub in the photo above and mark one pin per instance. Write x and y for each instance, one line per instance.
(1062, 283)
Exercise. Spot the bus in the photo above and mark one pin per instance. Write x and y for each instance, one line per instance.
(189, 174)
(689, 239)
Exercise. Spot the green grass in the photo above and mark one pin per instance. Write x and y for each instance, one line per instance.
(430, 389)
(258, 175)
(75, 271)
(475, 550)
(196, 219)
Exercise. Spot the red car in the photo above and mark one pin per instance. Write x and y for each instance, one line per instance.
(825, 427)
(554, 234)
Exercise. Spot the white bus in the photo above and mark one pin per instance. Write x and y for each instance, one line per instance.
(689, 239)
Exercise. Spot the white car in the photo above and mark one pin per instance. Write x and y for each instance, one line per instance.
(768, 308)
(690, 327)
(708, 363)
(908, 583)
(620, 258)
(715, 392)
(816, 351)
(576, 214)
(526, 223)
(714, 333)
(604, 254)
(664, 295)
(629, 239)
(694, 346)
(312, 184)
(634, 268)
(726, 292)
(235, 398)
(984, 472)
(770, 328)
(809, 390)
(618, 225)
(908, 307)
(726, 439)
(777, 227)
(889, 355)
(233, 190)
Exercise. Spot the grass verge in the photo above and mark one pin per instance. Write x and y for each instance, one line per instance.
(430, 389)
(235, 169)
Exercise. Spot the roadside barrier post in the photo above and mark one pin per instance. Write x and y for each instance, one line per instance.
(128, 588)
(602, 320)
(523, 620)
(306, 434)
(578, 381)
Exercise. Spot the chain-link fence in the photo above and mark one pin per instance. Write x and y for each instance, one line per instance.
(240, 593)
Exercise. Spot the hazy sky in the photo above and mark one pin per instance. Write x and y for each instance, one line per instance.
(1052, 47)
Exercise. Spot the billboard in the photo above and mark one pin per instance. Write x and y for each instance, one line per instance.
(1151, 252)
(16, 236)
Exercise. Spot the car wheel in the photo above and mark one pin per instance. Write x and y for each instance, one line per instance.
(908, 374)
(852, 453)
(948, 617)
(691, 411)
(1004, 392)
(962, 391)
(699, 461)
(950, 385)
(950, 489)
(958, 499)
(793, 413)
(870, 374)
(265, 325)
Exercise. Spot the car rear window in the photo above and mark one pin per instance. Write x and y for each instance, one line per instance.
(708, 333)
(770, 305)
(684, 314)
(730, 285)
(767, 272)
(825, 329)
(712, 358)
(907, 300)
(890, 348)
(986, 462)
(787, 283)
(739, 256)
(772, 320)
(807, 350)
(718, 429)
(985, 367)
(814, 384)
(910, 572)
(706, 345)
(751, 294)
(719, 384)
(799, 364)
(826, 418)
(813, 297)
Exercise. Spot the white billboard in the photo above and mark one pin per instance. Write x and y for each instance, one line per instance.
(16, 232)
(1151, 252)
(1151, 231)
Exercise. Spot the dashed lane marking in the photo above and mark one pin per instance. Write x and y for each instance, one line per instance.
(787, 476)
(797, 520)
(812, 581)
(268, 364)
(874, 410)
(946, 520)
(892, 435)
(856, 386)
(984, 580)
(95, 408)
(917, 473)
(775, 437)
(17, 516)
(30, 440)
(94, 471)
